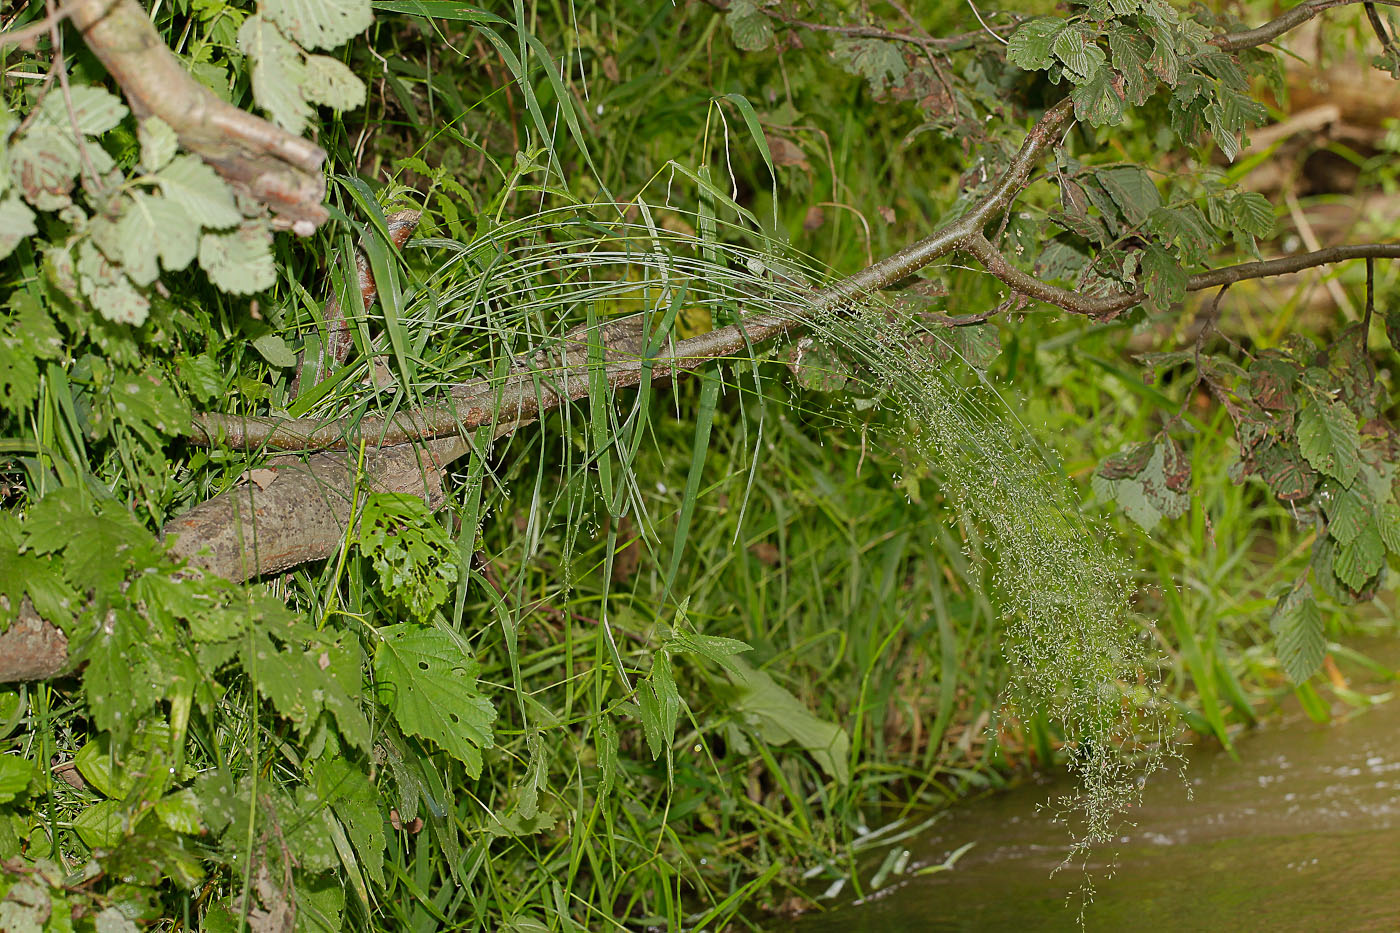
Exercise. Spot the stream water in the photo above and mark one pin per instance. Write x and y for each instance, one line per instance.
(1301, 833)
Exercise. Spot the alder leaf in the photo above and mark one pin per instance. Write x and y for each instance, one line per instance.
(1329, 439)
(1029, 47)
(240, 261)
(751, 30)
(154, 226)
(320, 24)
(331, 82)
(191, 184)
(429, 683)
(1299, 639)
(1081, 55)
(278, 73)
(95, 110)
(158, 143)
(16, 223)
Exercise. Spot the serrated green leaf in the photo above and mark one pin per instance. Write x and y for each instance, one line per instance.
(278, 73)
(1360, 559)
(15, 773)
(320, 24)
(240, 261)
(1029, 46)
(331, 82)
(1388, 523)
(429, 683)
(153, 226)
(1299, 639)
(43, 163)
(16, 223)
(198, 189)
(94, 110)
(158, 143)
(28, 337)
(1328, 437)
(179, 811)
(779, 717)
(100, 825)
(1097, 102)
(1078, 50)
(146, 404)
(1253, 212)
(1348, 515)
(1132, 190)
(660, 705)
(355, 802)
(275, 350)
(1163, 279)
(750, 29)
(879, 62)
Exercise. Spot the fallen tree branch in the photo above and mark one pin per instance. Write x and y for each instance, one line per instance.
(267, 163)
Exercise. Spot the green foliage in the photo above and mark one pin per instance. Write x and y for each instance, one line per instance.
(413, 556)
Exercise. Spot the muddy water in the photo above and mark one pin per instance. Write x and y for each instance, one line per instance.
(1302, 833)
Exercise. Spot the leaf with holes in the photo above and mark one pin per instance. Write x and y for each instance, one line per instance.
(332, 83)
(1029, 47)
(428, 681)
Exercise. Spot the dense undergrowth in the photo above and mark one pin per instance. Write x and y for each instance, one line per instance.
(709, 640)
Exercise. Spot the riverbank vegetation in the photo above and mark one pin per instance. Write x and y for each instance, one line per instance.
(552, 512)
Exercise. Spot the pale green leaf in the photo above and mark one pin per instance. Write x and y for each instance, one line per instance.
(158, 143)
(1389, 523)
(94, 109)
(780, 718)
(355, 803)
(100, 825)
(16, 223)
(198, 189)
(274, 349)
(752, 31)
(179, 811)
(240, 261)
(876, 60)
(153, 226)
(1299, 639)
(320, 24)
(428, 681)
(43, 164)
(1253, 212)
(15, 774)
(1132, 190)
(331, 82)
(1329, 439)
(278, 73)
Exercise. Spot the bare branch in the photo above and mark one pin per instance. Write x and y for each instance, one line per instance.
(1300, 14)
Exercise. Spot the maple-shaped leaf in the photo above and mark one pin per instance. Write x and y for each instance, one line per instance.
(428, 681)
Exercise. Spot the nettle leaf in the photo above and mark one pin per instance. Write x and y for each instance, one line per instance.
(876, 60)
(158, 143)
(331, 82)
(1077, 48)
(144, 404)
(355, 802)
(239, 262)
(779, 718)
(320, 24)
(1360, 559)
(1328, 436)
(278, 73)
(16, 223)
(1029, 47)
(1299, 639)
(750, 29)
(188, 182)
(428, 681)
